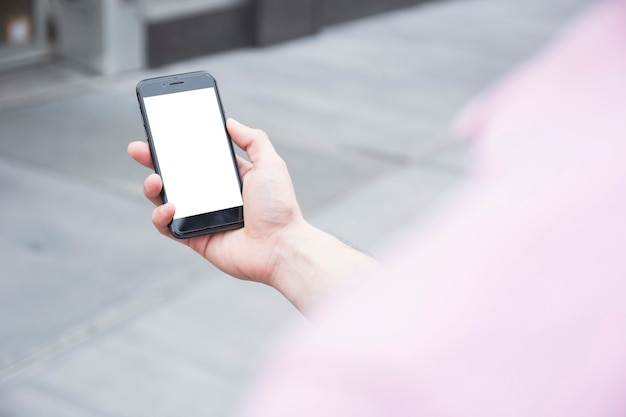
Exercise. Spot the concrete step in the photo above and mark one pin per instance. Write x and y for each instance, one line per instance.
(191, 28)
(187, 29)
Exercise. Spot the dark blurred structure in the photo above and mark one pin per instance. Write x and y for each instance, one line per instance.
(279, 20)
(109, 36)
(230, 24)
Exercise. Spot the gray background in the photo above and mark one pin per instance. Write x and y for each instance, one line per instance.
(101, 316)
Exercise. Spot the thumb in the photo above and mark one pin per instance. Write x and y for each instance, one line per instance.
(253, 141)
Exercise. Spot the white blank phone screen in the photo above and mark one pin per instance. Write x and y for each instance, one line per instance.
(193, 152)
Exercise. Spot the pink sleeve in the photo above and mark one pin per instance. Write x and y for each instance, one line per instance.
(512, 302)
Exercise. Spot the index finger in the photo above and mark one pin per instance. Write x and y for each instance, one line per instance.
(253, 141)
(140, 152)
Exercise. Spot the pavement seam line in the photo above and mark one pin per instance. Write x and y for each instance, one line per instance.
(100, 324)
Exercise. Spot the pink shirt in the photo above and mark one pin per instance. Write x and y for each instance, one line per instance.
(512, 302)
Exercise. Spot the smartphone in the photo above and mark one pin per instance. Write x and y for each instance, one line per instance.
(192, 152)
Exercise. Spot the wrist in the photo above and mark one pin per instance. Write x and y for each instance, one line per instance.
(310, 264)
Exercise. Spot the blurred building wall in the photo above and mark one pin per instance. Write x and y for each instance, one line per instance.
(22, 32)
(227, 24)
(109, 36)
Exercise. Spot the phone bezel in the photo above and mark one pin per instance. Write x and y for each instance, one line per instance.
(205, 223)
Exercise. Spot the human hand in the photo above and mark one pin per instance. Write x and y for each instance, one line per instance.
(270, 209)
(276, 246)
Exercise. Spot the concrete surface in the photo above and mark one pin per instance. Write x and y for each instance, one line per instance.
(101, 316)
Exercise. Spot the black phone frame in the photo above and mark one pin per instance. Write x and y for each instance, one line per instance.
(206, 223)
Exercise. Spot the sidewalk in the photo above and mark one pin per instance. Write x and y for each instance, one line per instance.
(101, 316)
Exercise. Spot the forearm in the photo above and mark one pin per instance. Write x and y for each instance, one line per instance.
(312, 264)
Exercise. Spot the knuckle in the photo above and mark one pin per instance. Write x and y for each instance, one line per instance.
(261, 134)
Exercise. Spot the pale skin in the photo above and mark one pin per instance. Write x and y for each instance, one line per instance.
(277, 246)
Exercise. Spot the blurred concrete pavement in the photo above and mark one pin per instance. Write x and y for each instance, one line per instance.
(101, 316)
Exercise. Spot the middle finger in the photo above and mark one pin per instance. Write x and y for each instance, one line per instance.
(152, 189)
